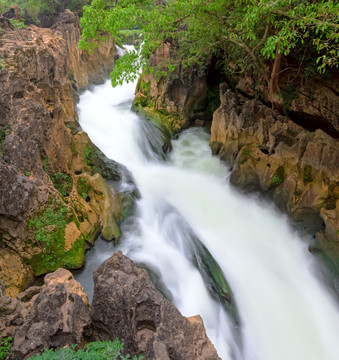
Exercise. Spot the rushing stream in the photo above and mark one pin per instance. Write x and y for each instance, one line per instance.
(285, 313)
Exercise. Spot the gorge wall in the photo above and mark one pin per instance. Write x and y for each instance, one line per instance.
(53, 199)
(288, 151)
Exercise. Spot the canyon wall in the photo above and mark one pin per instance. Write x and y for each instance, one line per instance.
(53, 199)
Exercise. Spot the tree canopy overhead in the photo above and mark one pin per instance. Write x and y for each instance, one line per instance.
(250, 35)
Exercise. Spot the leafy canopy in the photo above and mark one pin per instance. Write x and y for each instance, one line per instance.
(247, 34)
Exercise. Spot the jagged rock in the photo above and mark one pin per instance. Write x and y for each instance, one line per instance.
(104, 201)
(274, 155)
(86, 68)
(175, 98)
(57, 317)
(14, 311)
(36, 103)
(127, 305)
(16, 275)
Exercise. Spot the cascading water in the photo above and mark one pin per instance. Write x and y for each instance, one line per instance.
(284, 311)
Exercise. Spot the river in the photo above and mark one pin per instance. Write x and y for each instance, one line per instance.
(285, 312)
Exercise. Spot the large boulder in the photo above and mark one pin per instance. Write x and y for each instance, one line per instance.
(128, 306)
(57, 317)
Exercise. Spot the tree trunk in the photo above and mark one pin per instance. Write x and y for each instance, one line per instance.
(273, 85)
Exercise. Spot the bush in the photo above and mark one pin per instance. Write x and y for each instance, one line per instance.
(102, 350)
(5, 345)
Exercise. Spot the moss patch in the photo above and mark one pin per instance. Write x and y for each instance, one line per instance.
(83, 188)
(62, 182)
(278, 176)
(49, 227)
(307, 175)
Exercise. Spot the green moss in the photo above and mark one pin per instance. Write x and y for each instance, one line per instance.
(278, 176)
(246, 152)
(89, 155)
(5, 346)
(83, 188)
(101, 350)
(49, 228)
(307, 175)
(62, 182)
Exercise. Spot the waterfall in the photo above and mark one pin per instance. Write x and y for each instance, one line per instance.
(284, 311)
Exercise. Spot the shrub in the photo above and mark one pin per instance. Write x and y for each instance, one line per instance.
(63, 182)
(101, 350)
(5, 345)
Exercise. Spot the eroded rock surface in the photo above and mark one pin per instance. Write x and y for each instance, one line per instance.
(46, 220)
(272, 154)
(172, 100)
(57, 317)
(127, 305)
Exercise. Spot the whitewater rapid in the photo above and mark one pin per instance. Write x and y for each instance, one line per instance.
(285, 312)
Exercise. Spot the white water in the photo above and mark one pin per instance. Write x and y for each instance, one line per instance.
(285, 313)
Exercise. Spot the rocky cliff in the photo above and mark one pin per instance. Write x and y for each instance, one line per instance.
(297, 168)
(173, 100)
(125, 305)
(286, 150)
(53, 199)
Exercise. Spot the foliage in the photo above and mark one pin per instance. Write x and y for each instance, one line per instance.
(246, 33)
(17, 23)
(49, 228)
(63, 182)
(278, 176)
(102, 350)
(89, 154)
(83, 188)
(35, 7)
(50, 225)
(5, 346)
(307, 176)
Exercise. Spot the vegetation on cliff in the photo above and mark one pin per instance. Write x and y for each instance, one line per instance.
(100, 350)
(32, 10)
(248, 36)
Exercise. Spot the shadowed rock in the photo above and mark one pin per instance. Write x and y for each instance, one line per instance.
(57, 317)
(127, 305)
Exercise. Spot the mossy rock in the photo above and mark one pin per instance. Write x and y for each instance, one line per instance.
(214, 278)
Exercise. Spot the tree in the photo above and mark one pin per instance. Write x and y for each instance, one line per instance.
(251, 36)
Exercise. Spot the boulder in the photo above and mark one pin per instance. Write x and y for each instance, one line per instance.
(127, 305)
(57, 317)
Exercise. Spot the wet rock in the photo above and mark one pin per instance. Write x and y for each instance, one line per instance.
(126, 304)
(57, 317)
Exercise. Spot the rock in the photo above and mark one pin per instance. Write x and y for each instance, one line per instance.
(12, 312)
(57, 317)
(171, 100)
(85, 68)
(105, 201)
(127, 305)
(14, 273)
(42, 69)
(271, 154)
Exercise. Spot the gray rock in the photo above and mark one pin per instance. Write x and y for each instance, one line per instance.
(127, 305)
